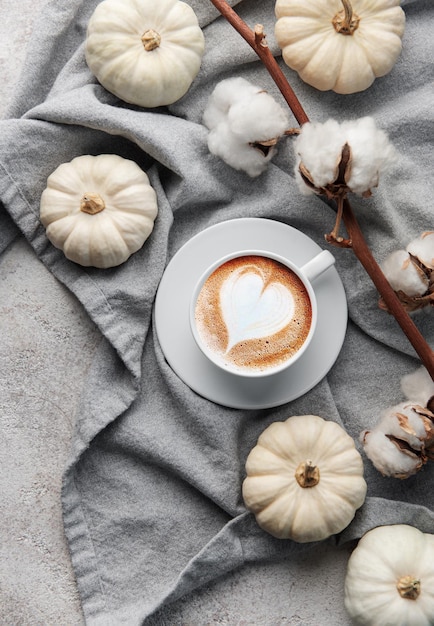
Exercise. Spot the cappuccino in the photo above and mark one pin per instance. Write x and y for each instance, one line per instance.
(253, 313)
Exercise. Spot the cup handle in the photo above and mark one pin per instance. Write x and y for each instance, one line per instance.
(319, 264)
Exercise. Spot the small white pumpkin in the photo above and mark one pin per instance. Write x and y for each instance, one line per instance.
(304, 479)
(146, 52)
(340, 45)
(98, 209)
(390, 578)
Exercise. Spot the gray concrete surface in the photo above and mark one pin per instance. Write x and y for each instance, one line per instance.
(46, 345)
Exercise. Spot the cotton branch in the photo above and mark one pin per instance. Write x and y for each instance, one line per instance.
(256, 39)
(394, 305)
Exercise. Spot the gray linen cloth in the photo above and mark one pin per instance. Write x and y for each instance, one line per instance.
(152, 492)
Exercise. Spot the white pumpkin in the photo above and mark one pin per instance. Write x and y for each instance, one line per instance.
(304, 479)
(98, 209)
(146, 52)
(340, 45)
(390, 578)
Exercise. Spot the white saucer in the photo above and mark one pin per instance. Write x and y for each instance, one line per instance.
(176, 339)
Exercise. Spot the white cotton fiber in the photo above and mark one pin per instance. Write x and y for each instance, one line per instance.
(257, 118)
(387, 457)
(238, 116)
(403, 422)
(423, 248)
(225, 94)
(403, 275)
(239, 155)
(418, 386)
(319, 148)
(371, 153)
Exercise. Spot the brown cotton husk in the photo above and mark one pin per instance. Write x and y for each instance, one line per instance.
(419, 459)
(415, 303)
(409, 430)
(338, 187)
(426, 420)
(390, 456)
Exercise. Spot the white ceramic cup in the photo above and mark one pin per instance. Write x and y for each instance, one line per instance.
(277, 302)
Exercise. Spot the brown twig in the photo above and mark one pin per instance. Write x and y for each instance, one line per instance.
(256, 39)
(394, 305)
(358, 243)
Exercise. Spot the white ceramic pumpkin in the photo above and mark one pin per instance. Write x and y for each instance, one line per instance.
(340, 45)
(146, 52)
(304, 479)
(98, 209)
(390, 578)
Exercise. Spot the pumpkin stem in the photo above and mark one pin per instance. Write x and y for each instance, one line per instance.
(307, 474)
(346, 22)
(151, 39)
(92, 203)
(408, 587)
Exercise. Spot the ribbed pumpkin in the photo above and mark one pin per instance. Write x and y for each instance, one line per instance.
(304, 479)
(146, 52)
(340, 45)
(98, 209)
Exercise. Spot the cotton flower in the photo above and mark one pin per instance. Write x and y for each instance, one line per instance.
(319, 148)
(245, 124)
(403, 439)
(410, 273)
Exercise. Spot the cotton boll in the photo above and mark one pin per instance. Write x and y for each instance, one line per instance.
(403, 275)
(257, 118)
(225, 94)
(402, 422)
(245, 124)
(224, 144)
(423, 249)
(418, 386)
(386, 457)
(371, 153)
(214, 114)
(403, 439)
(319, 148)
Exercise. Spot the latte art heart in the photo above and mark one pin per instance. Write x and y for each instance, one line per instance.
(252, 314)
(252, 309)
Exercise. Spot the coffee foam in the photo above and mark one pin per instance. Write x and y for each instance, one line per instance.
(253, 313)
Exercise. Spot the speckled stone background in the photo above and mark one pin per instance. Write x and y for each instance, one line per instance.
(46, 345)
